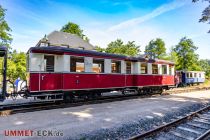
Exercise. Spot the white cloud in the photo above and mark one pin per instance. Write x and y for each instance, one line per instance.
(131, 31)
(156, 12)
(141, 35)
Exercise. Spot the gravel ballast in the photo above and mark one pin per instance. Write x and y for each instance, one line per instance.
(138, 126)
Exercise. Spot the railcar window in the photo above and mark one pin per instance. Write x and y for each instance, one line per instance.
(98, 66)
(154, 69)
(164, 69)
(77, 64)
(128, 67)
(170, 70)
(116, 66)
(191, 75)
(199, 75)
(50, 62)
(143, 68)
(195, 75)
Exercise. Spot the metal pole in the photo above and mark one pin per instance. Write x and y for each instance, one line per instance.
(4, 88)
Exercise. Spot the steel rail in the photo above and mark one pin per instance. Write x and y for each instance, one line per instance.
(30, 107)
(47, 105)
(170, 125)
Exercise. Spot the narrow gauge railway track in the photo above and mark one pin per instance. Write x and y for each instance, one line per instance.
(186, 90)
(195, 126)
(38, 106)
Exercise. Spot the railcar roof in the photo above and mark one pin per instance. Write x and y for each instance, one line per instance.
(62, 50)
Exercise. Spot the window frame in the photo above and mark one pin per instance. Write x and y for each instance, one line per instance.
(155, 69)
(128, 71)
(146, 70)
(102, 70)
(45, 60)
(164, 72)
(191, 75)
(170, 70)
(76, 63)
(195, 75)
(118, 68)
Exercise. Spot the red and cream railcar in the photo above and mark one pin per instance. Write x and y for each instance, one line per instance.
(73, 71)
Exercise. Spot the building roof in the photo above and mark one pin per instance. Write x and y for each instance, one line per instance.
(58, 38)
(72, 51)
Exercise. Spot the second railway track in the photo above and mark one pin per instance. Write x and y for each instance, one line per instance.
(195, 126)
(38, 106)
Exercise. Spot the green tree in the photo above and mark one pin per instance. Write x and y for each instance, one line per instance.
(74, 28)
(99, 49)
(205, 14)
(118, 47)
(187, 59)
(5, 36)
(171, 56)
(156, 48)
(16, 65)
(205, 66)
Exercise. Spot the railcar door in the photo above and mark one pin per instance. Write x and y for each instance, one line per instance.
(49, 80)
(184, 77)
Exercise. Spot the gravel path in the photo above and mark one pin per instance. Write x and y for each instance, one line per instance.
(115, 120)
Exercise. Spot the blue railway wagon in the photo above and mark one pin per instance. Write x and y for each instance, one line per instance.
(194, 77)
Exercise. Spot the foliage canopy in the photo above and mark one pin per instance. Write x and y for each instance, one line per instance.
(187, 59)
(74, 28)
(16, 65)
(5, 36)
(156, 48)
(118, 47)
(205, 14)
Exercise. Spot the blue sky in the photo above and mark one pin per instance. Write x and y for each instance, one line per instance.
(104, 21)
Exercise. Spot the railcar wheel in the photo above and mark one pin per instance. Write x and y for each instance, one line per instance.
(140, 91)
(160, 91)
(99, 94)
(123, 92)
(69, 98)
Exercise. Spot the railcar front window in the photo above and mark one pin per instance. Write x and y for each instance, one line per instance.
(98, 66)
(164, 69)
(116, 66)
(154, 69)
(77, 64)
(128, 67)
(144, 68)
(50, 62)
